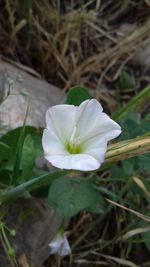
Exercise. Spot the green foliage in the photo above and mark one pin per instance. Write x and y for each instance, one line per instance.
(134, 173)
(77, 95)
(135, 102)
(144, 163)
(28, 157)
(126, 81)
(68, 196)
(34, 183)
(29, 3)
(29, 150)
(133, 126)
(146, 237)
(10, 141)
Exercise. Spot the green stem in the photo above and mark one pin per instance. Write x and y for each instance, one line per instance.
(19, 150)
(34, 183)
(5, 237)
(133, 103)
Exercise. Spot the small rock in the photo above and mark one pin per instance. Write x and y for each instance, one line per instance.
(35, 224)
(24, 89)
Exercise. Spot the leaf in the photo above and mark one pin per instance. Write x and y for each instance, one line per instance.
(5, 178)
(28, 157)
(128, 167)
(99, 206)
(77, 95)
(132, 126)
(146, 237)
(124, 170)
(131, 121)
(69, 196)
(11, 139)
(144, 162)
(126, 81)
(107, 193)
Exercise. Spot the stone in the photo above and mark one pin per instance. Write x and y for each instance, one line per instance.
(19, 89)
(35, 224)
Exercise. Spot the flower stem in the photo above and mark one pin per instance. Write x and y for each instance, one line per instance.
(32, 184)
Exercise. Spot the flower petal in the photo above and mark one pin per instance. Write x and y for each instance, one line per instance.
(52, 144)
(99, 123)
(61, 120)
(60, 245)
(97, 149)
(81, 162)
(88, 112)
(96, 145)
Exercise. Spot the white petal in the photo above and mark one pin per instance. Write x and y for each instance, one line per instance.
(97, 149)
(52, 145)
(96, 145)
(64, 249)
(108, 128)
(88, 111)
(82, 162)
(60, 245)
(61, 120)
(101, 125)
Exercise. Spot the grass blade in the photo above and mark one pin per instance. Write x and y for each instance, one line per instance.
(32, 184)
(19, 150)
(133, 103)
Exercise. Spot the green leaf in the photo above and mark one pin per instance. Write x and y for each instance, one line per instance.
(77, 95)
(99, 206)
(3, 145)
(28, 157)
(132, 126)
(126, 81)
(69, 196)
(107, 193)
(127, 124)
(144, 162)
(5, 178)
(11, 139)
(128, 167)
(145, 235)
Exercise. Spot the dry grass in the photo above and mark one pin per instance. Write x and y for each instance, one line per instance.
(75, 41)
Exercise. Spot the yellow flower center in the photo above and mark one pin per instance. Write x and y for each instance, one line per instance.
(74, 146)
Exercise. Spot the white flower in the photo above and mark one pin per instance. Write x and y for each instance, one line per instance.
(76, 136)
(60, 245)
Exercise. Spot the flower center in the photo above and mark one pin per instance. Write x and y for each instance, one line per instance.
(74, 146)
(73, 149)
